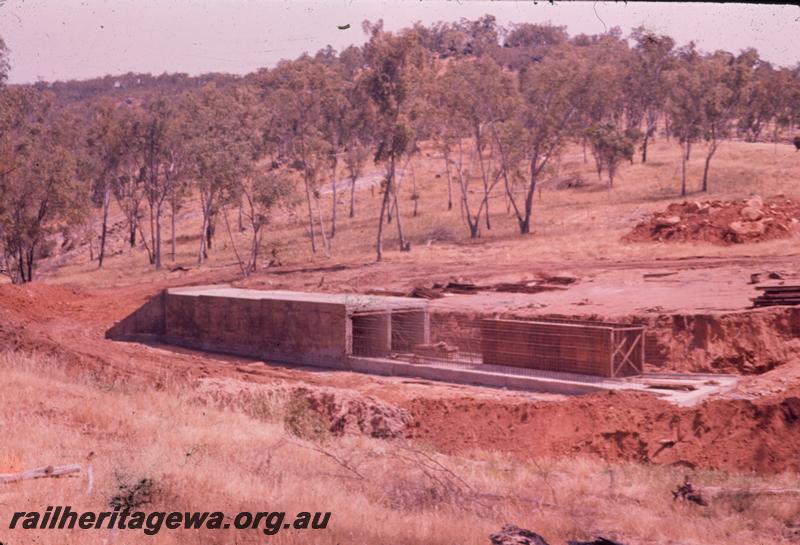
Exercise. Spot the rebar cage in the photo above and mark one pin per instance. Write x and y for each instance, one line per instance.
(583, 347)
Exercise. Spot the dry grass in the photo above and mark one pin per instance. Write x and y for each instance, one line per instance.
(571, 225)
(204, 457)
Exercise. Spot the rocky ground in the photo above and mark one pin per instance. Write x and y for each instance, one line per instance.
(722, 222)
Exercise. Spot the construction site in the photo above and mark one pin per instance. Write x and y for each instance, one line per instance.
(411, 337)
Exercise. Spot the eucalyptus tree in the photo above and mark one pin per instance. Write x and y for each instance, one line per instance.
(151, 151)
(761, 96)
(358, 135)
(553, 95)
(395, 63)
(298, 92)
(477, 94)
(39, 191)
(106, 145)
(685, 103)
(610, 145)
(223, 145)
(722, 86)
(646, 83)
(263, 191)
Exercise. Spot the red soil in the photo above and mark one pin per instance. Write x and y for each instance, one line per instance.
(736, 434)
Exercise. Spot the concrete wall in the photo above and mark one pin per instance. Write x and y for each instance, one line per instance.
(311, 333)
(146, 323)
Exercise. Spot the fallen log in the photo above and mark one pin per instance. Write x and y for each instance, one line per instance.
(703, 495)
(511, 534)
(39, 473)
(597, 541)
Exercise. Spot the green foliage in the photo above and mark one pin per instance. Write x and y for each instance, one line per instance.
(301, 420)
(610, 146)
(39, 192)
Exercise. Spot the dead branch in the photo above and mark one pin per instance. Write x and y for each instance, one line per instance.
(40, 472)
(342, 463)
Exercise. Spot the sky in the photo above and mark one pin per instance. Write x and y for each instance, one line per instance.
(77, 39)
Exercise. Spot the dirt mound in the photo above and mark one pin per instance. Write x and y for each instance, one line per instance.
(721, 222)
(736, 435)
(342, 412)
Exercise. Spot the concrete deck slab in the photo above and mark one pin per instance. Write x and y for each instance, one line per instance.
(353, 302)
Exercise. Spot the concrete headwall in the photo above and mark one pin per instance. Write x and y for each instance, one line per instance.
(146, 323)
(312, 333)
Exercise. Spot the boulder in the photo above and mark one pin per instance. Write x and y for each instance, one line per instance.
(751, 213)
(742, 229)
(668, 221)
(514, 535)
(755, 202)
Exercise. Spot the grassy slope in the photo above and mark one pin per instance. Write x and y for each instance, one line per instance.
(568, 225)
(204, 456)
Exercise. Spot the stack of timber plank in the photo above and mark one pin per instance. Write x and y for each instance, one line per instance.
(777, 295)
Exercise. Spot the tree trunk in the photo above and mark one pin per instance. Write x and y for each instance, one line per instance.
(404, 246)
(210, 229)
(688, 149)
(353, 196)
(472, 223)
(449, 181)
(711, 150)
(254, 247)
(157, 245)
(384, 202)
(152, 235)
(310, 213)
(173, 235)
(233, 242)
(644, 146)
(683, 171)
(133, 233)
(104, 229)
(525, 221)
(202, 253)
(333, 207)
(21, 265)
(486, 190)
(325, 242)
(29, 263)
